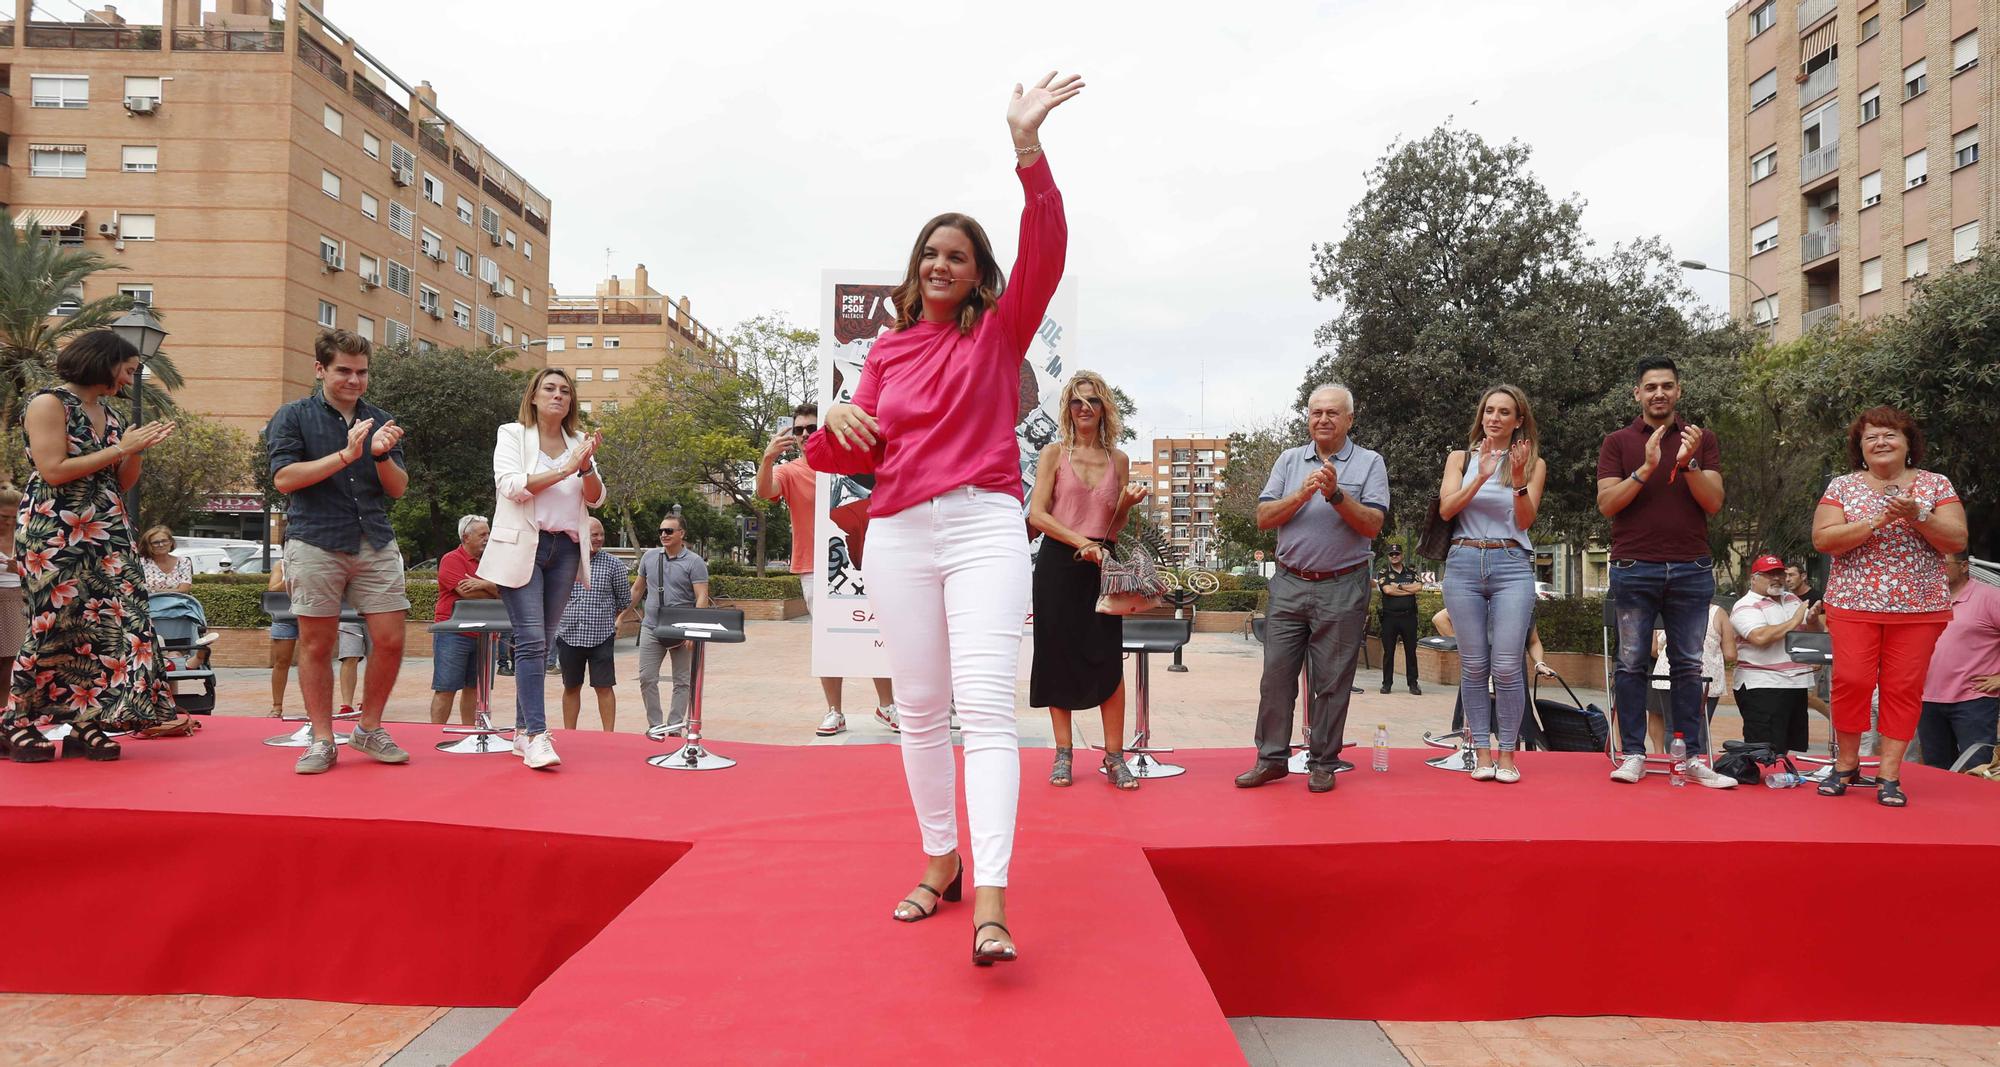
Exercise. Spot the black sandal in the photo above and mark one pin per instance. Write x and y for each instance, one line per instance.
(983, 958)
(951, 893)
(1838, 780)
(91, 742)
(25, 744)
(1889, 793)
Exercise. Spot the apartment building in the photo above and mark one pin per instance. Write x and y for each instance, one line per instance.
(1183, 478)
(258, 175)
(610, 339)
(1874, 105)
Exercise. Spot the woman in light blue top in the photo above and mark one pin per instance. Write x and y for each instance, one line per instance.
(1491, 491)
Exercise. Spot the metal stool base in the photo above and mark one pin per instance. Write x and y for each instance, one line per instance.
(1144, 767)
(301, 737)
(691, 757)
(478, 744)
(1301, 761)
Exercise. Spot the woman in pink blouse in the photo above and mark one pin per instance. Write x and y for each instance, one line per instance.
(1888, 526)
(934, 418)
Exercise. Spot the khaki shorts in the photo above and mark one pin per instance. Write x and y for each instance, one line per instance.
(320, 580)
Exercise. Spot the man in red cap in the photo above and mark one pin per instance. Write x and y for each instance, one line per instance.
(1770, 689)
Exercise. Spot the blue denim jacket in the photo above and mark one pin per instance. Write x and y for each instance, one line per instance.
(347, 508)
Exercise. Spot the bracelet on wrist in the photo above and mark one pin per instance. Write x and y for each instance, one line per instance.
(1030, 150)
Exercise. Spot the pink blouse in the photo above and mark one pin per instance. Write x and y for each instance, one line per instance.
(1080, 506)
(1895, 571)
(947, 403)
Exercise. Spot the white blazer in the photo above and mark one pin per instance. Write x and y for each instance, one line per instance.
(510, 552)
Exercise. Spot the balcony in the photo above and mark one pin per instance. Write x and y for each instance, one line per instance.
(1819, 83)
(229, 40)
(83, 35)
(1811, 11)
(315, 55)
(433, 142)
(464, 167)
(394, 113)
(1820, 243)
(1819, 164)
(1829, 313)
(499, 192)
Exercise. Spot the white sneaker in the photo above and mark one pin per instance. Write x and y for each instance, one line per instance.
(1703, 774)
(521, 744)
(1484, 774)
(1630, 769)
(886, 715)
(541, 752)
(834, 723)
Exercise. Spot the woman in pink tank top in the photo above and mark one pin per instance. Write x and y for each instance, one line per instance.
(1081, 500)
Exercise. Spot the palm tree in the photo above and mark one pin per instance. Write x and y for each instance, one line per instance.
(37, 276)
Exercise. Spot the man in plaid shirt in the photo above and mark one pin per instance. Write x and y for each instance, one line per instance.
(589, 629)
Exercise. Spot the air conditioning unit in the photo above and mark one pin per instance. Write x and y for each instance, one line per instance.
(371, 281)
(433, 312)
(142, 105)
(107, 229)
(333, 260)
(493, 236)
(404, 176)
(436, 254)
(1918, 180)
(494, 289)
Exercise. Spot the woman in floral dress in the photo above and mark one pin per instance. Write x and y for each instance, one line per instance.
(90, 657)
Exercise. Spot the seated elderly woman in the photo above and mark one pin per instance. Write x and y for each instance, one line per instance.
(170, 586)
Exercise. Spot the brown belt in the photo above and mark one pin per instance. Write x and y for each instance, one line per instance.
(1320, 576)
(1470, 542)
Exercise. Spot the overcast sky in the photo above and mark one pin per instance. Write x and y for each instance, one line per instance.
(739, 149)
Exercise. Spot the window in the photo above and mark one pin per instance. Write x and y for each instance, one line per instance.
(528, 249)
(70, 304)
(558, 344)
(506, 287)
(611, 374)
(586, 342)
(526, 297)
(1871, 104)
(329, 183)
(1914, 79)
(461, 314)
(1965, 52)
(1871, 275)
(1914, 6)
(489, 271)
(463, 261)
(399, 278)
(488, 323)
(507, 333)
(370, 207)
(135, 227)
(1762, 312)
(611, 407)
(370, 268)
(1965, 148)
(611, 342)
(489, 220)
(60, 90)
(398, 334)
(1764, 17)
(433, 244)
(429, 300)
(371, 144)
(1763, 165)
(1821, 128)
(1764, 237)
(1916, 169)
(583, 374)
(508, 237)
(1965, 242)
(465, 211)
(1917, 259)
(330, 119)
(365, 326)
(426, 347)
(1871, 190)
(142, 158)
(329, 250)
(146, 87)
(1870, 27)
(586, 407)
(328, 315)
(137, 292)
(55, 160)
(433, 189)
(403, 162)
(402, 220)
(1764, 89)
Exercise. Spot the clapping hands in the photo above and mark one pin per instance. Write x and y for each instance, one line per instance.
(138, 440)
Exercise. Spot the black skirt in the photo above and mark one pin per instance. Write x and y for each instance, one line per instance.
(1079, 654)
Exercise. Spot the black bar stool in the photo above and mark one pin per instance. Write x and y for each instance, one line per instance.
(278, 605)
(487, 623)
(701, 626)
(1143, 637)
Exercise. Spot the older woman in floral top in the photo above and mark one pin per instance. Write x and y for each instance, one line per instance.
(1888, 526)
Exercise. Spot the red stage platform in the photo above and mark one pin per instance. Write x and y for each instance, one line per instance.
(742, 916)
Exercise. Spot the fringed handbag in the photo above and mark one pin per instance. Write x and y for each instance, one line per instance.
(1128, 586)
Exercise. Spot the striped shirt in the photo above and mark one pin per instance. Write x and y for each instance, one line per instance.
(592, 616)
(1769, 667)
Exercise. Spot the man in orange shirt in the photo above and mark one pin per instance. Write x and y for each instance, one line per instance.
(798, 485)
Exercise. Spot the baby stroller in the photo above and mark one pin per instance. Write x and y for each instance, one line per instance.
(181, 628)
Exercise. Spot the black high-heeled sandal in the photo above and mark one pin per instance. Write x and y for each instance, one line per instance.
(25, 744)
(981, 957)
(1889, 793)
(952, 894)
(1838, 780)
(91, 742)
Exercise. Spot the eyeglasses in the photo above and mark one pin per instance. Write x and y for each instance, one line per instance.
(806, 429)
(665, 530)
(1079, 402)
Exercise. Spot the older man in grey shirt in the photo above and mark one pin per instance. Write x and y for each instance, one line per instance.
(670, 576)
(1327, 499)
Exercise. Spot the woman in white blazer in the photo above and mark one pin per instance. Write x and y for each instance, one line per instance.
(547, 481)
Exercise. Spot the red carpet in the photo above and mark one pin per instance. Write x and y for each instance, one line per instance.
(741, 916)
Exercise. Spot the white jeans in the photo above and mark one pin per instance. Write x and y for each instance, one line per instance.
(948, 579)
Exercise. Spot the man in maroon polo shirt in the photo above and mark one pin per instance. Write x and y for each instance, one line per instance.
(1659, 479)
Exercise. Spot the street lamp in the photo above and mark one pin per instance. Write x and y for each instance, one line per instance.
(1696, 264)
(142, 331)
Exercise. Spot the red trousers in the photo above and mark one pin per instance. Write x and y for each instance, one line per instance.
(1895, 656)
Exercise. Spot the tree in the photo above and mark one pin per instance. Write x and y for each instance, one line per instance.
(449, 403)
(1128, 413)
(200, 460)
(1459, 271)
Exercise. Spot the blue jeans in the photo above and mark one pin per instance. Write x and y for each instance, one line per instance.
(1490, 593)
(1947, 729)
(535, 610)
(454, 660)
(1677, 594)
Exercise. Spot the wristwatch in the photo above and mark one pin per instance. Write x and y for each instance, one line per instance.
(1337, 497)
(1924, 513)
(1522, 491)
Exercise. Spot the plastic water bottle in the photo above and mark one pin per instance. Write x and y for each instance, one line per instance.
(1381, 746)
(1678, 752)
(1782, 780)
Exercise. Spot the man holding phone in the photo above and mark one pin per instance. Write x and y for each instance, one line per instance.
(797, 484)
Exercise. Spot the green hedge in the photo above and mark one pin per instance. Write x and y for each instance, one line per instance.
(1567, 625)
(238, 599)
(733, 587)
(1231, 600)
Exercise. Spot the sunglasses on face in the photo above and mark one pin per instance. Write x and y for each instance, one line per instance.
(665, 531)
(1078, 403)
(803, 431)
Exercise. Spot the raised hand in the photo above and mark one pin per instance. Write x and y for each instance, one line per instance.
(390, 436)
(1488, 463)
(588, 453)
(1517, 454)
(1134, 495)
(780, 442)
(145, 437)
(357, 440)
(1653, 446)
(1028, 108)
(1690, 445)
(1902, 508)
(1332, 484)
(1316, 482)
(852, 427)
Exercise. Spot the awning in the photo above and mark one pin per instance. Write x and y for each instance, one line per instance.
(1820, 40)
(50, 218)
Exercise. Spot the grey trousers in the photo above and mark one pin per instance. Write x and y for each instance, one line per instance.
(651, 651)
(1323, 622)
